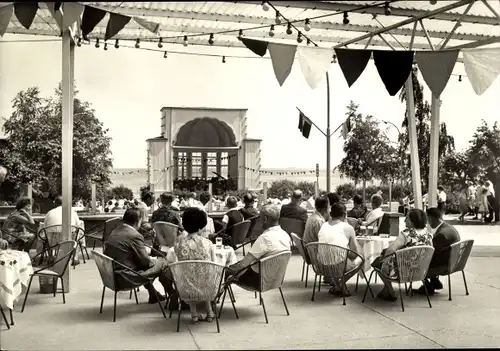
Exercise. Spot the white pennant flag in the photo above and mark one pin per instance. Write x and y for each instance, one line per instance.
(6, 13)
(72, 12)
(314, 63)
(57, 15)
(482, 67)
(153, 27)
(282, 56)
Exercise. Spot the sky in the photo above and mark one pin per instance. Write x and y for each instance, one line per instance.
(128, 87)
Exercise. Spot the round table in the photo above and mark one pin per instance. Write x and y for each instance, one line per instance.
(371, 247)
(225, 257)
(15, 271)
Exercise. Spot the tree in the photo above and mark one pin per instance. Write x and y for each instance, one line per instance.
(456, 169)
(281, 188)
(423, 119)
(33, 151)
(308, 188)
(122, 192)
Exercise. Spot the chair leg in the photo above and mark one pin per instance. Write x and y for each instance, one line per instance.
(179, 316)
(93, 244)
(427, 294)
(449, 287)
(260, 298)
(319, 283)
(63, 293)
(222, 302)
(102, 298)
(232, 303)
(136, 299)
(130, 297)
(83, 253)
(284, 302)
(307, 275)
(263, 307)
(27, 293)
(255, 294)
(86, 252)
(231, 295)
(243, 247)
(4, 318)
(343, 287)
(406, 289)
(465, 284)
(114, 308)
(376, 279)
(401, 298)
(357, 282)
(314, 286)
(212, 304)
(11, 317)
(54, 286)
(368, 287)
(303, 269)
(157, 299)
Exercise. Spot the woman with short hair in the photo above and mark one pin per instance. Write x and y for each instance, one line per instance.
(14, 229)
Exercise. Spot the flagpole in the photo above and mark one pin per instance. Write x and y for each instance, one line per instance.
(328, 135)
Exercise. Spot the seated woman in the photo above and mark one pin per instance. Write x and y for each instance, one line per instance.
(193, 247)
(415, 234)
(14, 228)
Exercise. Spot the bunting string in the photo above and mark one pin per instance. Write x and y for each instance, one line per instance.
(254, 170)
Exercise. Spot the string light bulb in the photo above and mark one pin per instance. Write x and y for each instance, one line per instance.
(299, 37)
(346, 18)
(97, 43)
(165, 55)
(271, 31)
(185, 42)
(117, 45)
(265, 6)
(289, 28)
(307, 25)
(334, 58)
(160, 43)
(433, 2)
(277, 20)
(387, 9)
(105, 46)
(308, 41)
(240, 33)
(460, 78)
(223, 59)
(211, 39)
(79, 43)
(137, 43)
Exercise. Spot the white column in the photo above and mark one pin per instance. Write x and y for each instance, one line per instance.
(210, 203)
(434, 152)
(412, 132)
(264, 187)
(94, 197)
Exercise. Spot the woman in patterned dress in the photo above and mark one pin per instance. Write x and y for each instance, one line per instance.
(415, 234)
(194, 247)
(15, 227)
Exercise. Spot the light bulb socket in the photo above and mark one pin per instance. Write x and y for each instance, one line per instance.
(160, 43)
(299, 38)
(137, 43)
(105, 46)
(271, 31)
(79, 43)
(165, 55)
(185, 41)
(307, 25)
(346, 18)
(117, 45)
(97, 43)
(223, 59)
(277, 20)
(289, 28)
(211, 39)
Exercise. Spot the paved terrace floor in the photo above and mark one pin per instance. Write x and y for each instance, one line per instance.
(467, 321)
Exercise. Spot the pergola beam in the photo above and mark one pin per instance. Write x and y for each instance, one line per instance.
(395, 10)
(492, 10)
(475, 44)
(455, 27)
(237, 21)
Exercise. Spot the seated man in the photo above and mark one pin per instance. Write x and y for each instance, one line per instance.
(249, 210)
(375, 214)
(166, 213)
(314, 223)
(146, 229)
(359, 210)
(444, 235)
(337, 232)
(272, 241)
(125, 245)
(232, 217)
(293, 209)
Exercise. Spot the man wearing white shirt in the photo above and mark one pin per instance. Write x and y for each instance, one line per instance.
(490, 196)
(441, 199)
(375, 214)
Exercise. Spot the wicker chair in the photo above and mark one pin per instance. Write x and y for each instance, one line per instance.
(299, 244)
(256, 228)
(272, 273)
(239, 234)
(412, 265)
(52, 235)
(95, 233)
(291, 225)
(459, 255)
(109, 226)
(106, 266)
(166, 234)
(193, 287)
(331, 261)
(64, 252)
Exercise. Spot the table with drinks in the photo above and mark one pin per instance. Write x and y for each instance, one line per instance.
(370, 247)
(15, 272)
(224, 255)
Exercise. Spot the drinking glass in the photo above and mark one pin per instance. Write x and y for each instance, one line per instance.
(218, 242)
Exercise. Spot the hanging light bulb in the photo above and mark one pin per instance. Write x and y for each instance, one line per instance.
(299, 37)
(433, 2)
(346, 18)
(185, 42)
(223, 59)
(271, 31)
(117, 45)
(79, 42)
(240, 33)
(307, 25)
(308, 41)
(387, 9)
(289, 28)
(334, 58)
(105, 46)
(460, 78)
(97, 43)
(160, 43)
(211, 39)
(265, 6)
(137, 43)
(165, 55)
(277, 20)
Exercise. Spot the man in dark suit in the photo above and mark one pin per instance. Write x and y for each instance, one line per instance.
(126, 245)
(444, 235)
(249, 210)
(293, 209)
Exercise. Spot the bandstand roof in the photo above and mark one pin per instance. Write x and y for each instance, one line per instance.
(466, 23)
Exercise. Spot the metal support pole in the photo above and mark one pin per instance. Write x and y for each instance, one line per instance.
(328, 135)
(434, 152)
(94, 197)
(412, 131)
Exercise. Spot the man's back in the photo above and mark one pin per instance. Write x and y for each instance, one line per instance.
(445, 236)
(54, 217)
(166, 214)
(232, 217)
(249, 212)
(125, 245)
(313, 226)
(294, 212)
(272, 241)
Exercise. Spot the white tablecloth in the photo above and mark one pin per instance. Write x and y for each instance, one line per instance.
(15, 271)
(225, 257)
(371, 247)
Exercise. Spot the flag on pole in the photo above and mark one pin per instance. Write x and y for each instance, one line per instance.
(304, 124)
(346, 128)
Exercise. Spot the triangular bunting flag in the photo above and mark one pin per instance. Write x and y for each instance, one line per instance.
(71, 13)
(314, 63)
(5, 16)
(90, 19)
(436, 68)
(57, 5)
(25, 12)
(115, 25)
(352, 63)
(258, 47)
(482, 67)
(153, 27)
(57, 15)
(393, 67)
(282, 56)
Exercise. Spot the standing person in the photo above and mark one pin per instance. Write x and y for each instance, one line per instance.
(463, 205)
(441, 200)
(471, 197)
(146, 229)
(3, 173)
(490, 197)
(482, 201)
(479, 198)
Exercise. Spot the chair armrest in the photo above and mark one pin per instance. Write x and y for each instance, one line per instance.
(52, 264)
(235, 275)
(14, 236)
(128, 269)
(162, 254)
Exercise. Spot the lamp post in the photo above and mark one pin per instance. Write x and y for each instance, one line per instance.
(402, 160)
